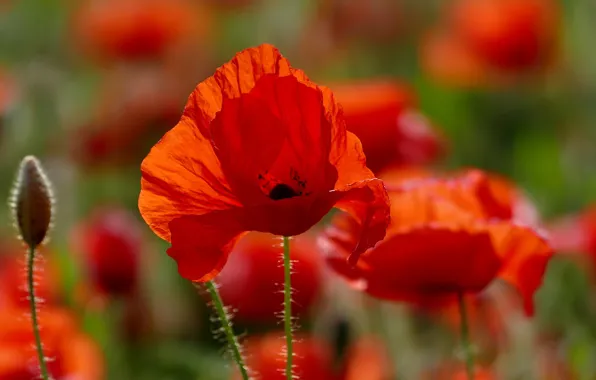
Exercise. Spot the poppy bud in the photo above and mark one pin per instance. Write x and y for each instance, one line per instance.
(32, 202)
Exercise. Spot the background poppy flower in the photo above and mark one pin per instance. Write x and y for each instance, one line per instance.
(446, 237)
(365, 360)
(133, 108)
(110, 244)
(137, 29)
(507, 34)
(384, 116)
(447, 60)
(312, 358)
(13, 293)
(374, 20)
(251, 281)
(259, 148)
(74, 354)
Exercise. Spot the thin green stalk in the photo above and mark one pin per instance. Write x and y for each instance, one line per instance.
(288, 308)
(227, 328)
(465, 336)
(32, 303)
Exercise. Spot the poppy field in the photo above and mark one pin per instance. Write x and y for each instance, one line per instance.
(316, 190)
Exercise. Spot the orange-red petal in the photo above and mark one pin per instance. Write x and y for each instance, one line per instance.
(525, 256)
(201, 243)
(182, 176)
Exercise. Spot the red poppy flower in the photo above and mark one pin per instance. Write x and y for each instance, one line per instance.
(575, 236)
(7, 98)
(447, 60)
(134, 107)
(312, 358)
(446, 237)
(250, 282)
(453, 371)
(73, 354)
(384, 117)
(366, 359)
(110, 243)
(13, 279)
(259, 148)
(137, 29)
(507, 34)
(376, 20)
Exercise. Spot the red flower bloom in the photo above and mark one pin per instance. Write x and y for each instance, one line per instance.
(110, 243)
(453, 371)
(251, 281)
(136, 29)
(134, 107)
(383, 115)
(447, 60)
(376, 20)
(446, 237)
(13, 278)
(73, 354)
(507, 34)
(259, 148)
(312, 358)
(366, 359)
(575, 233)
(575, 236)
(7, 98)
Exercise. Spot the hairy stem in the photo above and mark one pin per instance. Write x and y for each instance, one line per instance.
(465, 337)
(43, 368)
(227, 328)
(288, 307)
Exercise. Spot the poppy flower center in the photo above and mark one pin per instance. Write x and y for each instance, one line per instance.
(282, 191)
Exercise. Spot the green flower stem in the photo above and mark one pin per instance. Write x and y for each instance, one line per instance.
(32, 303)
(227, 328)
(465, 336)
(288, 307)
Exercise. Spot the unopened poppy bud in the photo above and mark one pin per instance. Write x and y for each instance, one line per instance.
(32, 202)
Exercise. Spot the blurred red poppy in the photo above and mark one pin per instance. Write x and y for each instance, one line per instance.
(507, 34)
(7, 97)
(74, 355)
(491, 42)
(384, 117)
(312, 358)
(13, 278)
(447, 236)
(575, 235)
(134, 108)
(376, 20)
(366, 359)
(575, 232)
(447, 60)
(137, 29)
(453, 371)
(251, 281)
(110, 242)
(259, 148)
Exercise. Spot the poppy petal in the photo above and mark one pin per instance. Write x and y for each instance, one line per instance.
(406, 267)
(526, 255)
(179, 181)
(235, 78)
(277, 124)
(201, 243)
(366, 200)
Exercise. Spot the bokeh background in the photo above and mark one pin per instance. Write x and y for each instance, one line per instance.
(88, 86)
